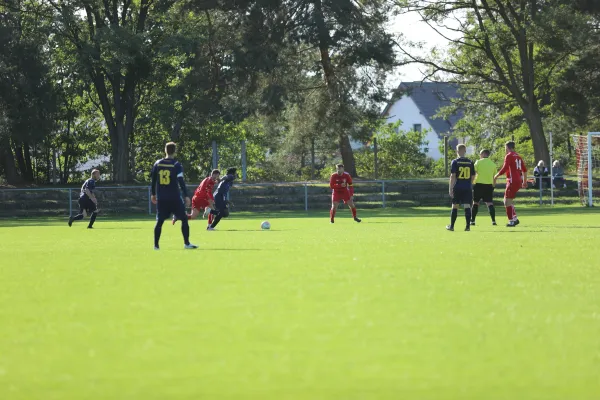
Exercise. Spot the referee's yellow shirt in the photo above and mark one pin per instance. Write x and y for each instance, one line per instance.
(485, 169)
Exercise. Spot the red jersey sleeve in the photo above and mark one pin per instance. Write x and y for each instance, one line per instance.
(332, 184)
(523, 166)
(506, 166)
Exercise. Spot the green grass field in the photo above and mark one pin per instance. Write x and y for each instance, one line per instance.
(393, 308)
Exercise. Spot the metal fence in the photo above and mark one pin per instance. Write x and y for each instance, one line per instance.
(264, 196)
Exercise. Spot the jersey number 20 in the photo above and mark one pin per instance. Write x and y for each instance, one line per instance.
(164, 177)
(464, 173)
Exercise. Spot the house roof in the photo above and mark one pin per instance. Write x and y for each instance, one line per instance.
(429, 97)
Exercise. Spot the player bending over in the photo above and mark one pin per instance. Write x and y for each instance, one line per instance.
(87, 200)
(220, 209)
(484, 185)
(203, 199)
(516, 178)
(462, 174)
(342, 190)
(166, 175)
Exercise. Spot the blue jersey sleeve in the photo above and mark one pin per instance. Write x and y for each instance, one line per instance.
(154, 178)
(454, 167)
(91, 185)
(472, 169)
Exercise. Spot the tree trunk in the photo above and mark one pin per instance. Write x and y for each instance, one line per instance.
(332, 87)
(347, 155)
(28, 163)
(121, 155)
(536, 129)
(8, 160)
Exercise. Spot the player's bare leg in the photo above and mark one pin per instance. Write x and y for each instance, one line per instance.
(194, 214)
(511, 213)
(353, 210)
(334, 207)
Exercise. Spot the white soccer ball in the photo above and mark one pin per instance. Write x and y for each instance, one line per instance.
(265, 225)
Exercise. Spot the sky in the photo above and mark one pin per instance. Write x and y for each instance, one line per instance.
(413, 29)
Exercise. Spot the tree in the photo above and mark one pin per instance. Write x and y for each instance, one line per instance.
(115, 43)
(27, 94)
(400, 153)
(501, 56)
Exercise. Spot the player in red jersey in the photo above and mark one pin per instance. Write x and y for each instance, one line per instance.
(342, 190)
(516, 178)
(203, 199)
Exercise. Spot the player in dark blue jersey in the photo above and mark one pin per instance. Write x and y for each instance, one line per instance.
(221, 209)
(167, 180)
(87, 200)
(462, 175)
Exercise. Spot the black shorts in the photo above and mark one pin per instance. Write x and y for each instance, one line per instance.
(166, 208)
(85, 203)
(462, 196)
(483, 192)
(221, 206)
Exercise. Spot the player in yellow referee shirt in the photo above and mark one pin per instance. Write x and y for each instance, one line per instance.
(484, 185)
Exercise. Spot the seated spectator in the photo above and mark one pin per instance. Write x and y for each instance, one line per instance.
(558, 175)
(541, 173)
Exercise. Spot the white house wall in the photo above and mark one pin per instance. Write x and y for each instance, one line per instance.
(407, 111)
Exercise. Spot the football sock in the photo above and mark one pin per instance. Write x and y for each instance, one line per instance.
(158, 231)
(93, 219)
(475, 211)
(468, 216)
(354, 212)
(514, 212)
(210, 218)
(185, 231)
(189, 216)
(510, 212)
(216, 220)
(78, 217)
(453, 216)
(492, 213)
(332, 214)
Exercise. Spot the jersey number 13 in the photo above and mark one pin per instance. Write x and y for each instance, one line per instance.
(164, 177)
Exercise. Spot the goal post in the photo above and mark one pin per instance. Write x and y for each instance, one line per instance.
(587, 151)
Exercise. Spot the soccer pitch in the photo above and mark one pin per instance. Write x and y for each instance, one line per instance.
(393, 308)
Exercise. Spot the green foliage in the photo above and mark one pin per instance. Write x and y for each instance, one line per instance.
(400, 154)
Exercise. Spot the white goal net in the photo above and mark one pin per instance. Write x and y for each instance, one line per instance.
(587, 151)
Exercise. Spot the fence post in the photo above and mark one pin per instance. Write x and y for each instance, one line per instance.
(541, 189)
(305, 197)
(244, 164)
(383, 194)
(551, 172)
(149, 200)
(70, 202)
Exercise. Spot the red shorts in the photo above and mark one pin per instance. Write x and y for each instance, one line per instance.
(342, 195)
(199, 203)
(511, 190)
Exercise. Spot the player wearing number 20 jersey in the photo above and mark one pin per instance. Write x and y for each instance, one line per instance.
(516, 177)
(461, 186)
